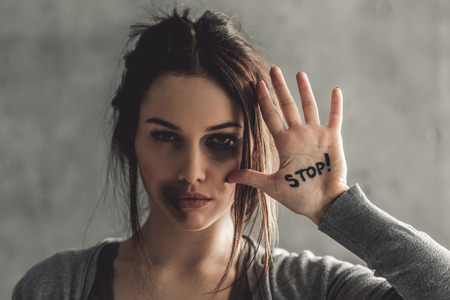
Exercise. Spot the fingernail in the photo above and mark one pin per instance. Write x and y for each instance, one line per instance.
(275, 69)
(260, 84)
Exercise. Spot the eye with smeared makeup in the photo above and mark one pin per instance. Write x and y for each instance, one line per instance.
(221, 141)
(220, 146)
(165, 136)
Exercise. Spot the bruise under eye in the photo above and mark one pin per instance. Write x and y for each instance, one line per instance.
(223, 146)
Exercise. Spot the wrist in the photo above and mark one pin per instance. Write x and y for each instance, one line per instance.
(318, 217)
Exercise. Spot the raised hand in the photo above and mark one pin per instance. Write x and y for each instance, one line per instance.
(312, 171)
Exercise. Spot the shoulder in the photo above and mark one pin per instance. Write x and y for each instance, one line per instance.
(62, 276)
(308, 269)
(307, 276)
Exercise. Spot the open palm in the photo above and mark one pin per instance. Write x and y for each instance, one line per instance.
(312, 170)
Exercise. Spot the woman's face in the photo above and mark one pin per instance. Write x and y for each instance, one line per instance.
(188, 140)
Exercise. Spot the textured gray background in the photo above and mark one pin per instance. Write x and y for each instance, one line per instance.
(58, 68)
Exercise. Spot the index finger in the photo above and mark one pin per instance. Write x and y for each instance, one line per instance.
(335, 118)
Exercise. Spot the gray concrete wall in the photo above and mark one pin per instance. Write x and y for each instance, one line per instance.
(58, 68)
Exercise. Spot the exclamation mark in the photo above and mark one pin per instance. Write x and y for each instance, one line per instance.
(327, 161)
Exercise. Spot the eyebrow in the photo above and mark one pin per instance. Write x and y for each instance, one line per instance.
(209, 129)
(224, 125)
(163, 123)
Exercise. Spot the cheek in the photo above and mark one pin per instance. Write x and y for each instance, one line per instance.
(154, 169)
(225, 162)
(224, 156)
(219, 173)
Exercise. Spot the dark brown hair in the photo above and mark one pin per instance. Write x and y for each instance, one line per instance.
(212, 46)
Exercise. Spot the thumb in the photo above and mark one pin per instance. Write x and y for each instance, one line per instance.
(249, 177)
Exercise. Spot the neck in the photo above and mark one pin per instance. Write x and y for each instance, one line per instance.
(173, 247)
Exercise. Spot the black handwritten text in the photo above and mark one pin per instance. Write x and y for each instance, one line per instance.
(309, 172)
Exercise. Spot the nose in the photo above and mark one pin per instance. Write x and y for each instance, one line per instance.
(192, 165)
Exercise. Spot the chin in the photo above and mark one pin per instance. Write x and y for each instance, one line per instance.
(193, 221)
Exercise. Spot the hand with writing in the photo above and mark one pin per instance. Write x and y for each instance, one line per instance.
(312, 171)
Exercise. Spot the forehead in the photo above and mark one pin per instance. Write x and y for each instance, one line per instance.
(189, 101)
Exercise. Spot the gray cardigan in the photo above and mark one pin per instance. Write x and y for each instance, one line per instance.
(408, 263)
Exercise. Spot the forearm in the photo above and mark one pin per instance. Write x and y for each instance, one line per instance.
(414, 264)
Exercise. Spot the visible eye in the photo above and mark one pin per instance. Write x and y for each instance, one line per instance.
(221, 141)
(165, 136)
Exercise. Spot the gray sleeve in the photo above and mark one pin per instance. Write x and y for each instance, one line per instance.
(66, 275)
(306, 276)
(414, 264)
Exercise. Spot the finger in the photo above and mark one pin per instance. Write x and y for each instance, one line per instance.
(335, 118)
(309, 105)
(249, 177)
(270, 113)
(287, 103)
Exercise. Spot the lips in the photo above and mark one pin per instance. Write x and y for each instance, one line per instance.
(192, 200)
(195, 196)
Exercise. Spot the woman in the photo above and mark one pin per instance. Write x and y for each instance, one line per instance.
(198, 117)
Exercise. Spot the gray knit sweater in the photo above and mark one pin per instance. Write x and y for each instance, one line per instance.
(408, 264)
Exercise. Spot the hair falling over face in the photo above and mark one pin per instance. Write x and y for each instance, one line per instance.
(214, 47)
